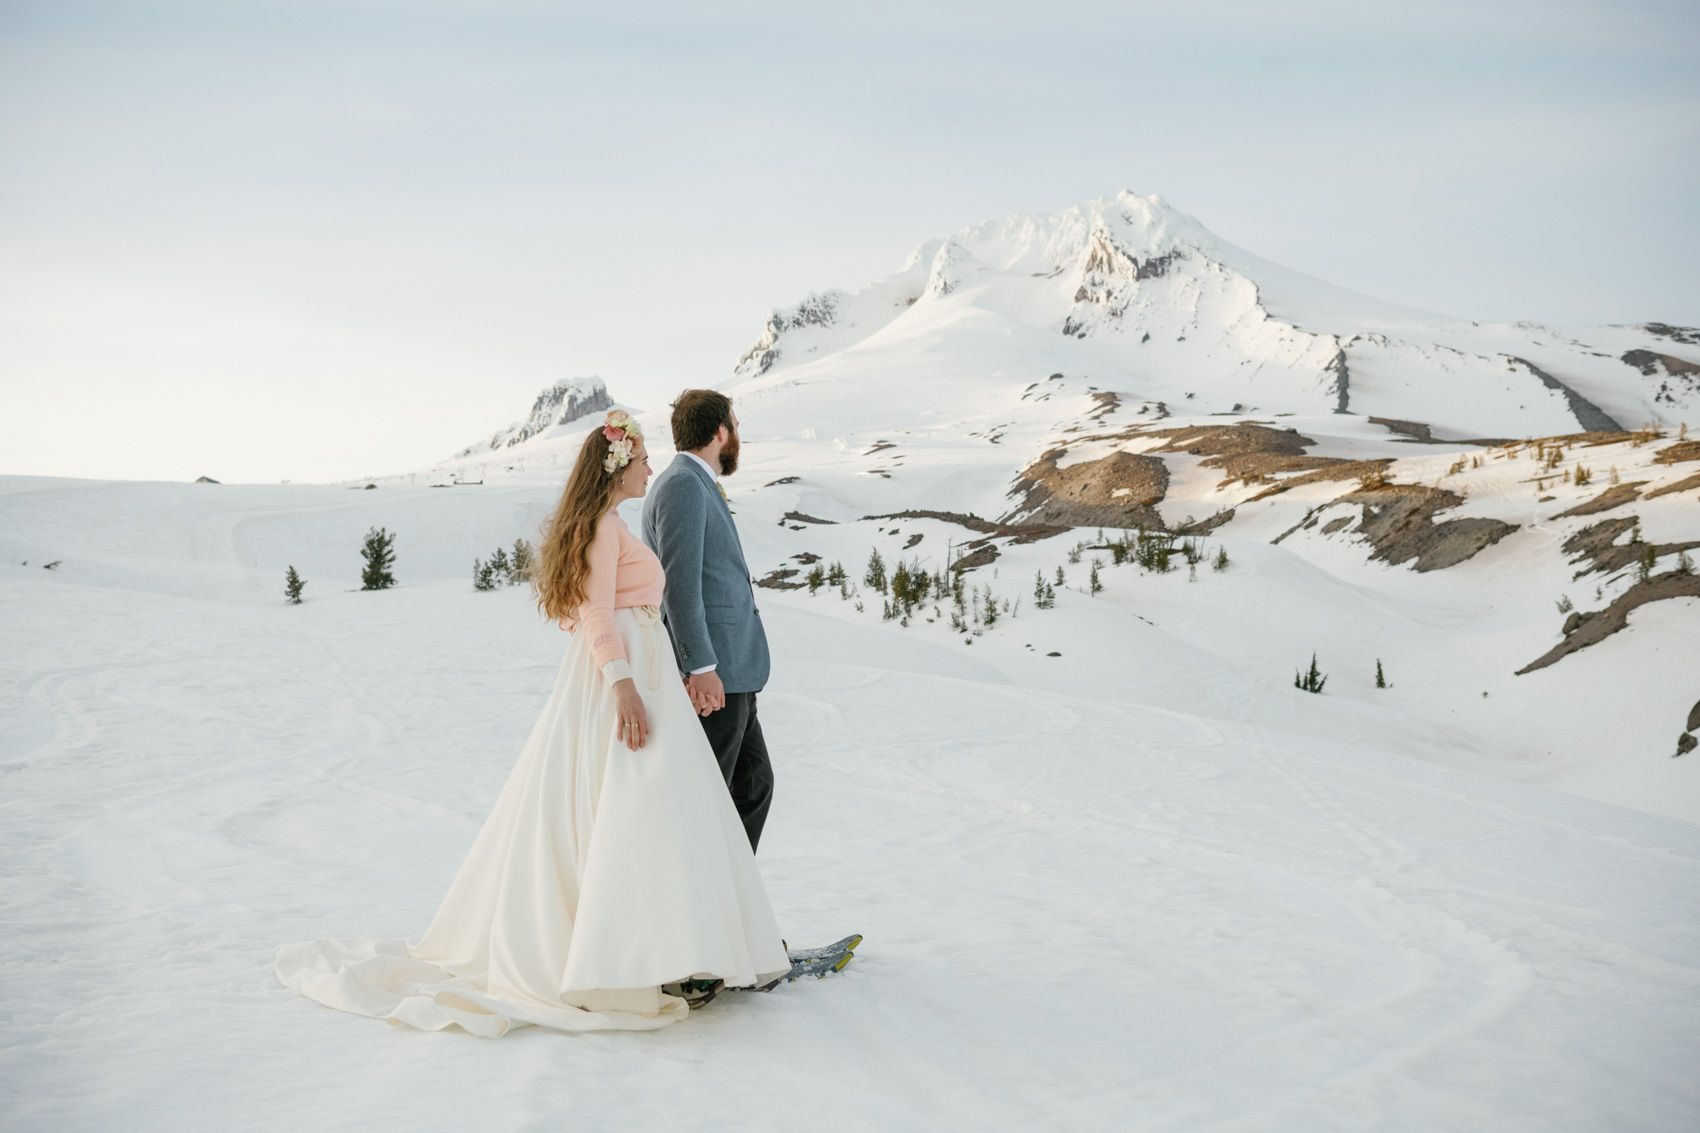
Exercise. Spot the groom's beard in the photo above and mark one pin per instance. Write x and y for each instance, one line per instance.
(729, 457)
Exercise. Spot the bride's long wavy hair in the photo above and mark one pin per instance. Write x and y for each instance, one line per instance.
(563, 561)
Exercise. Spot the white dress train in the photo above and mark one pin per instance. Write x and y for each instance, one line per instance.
(600, 874)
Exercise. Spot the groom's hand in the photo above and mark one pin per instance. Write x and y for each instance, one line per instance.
(707, 693)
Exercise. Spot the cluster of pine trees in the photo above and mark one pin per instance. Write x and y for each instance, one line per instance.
(504, 569)
(377, 553)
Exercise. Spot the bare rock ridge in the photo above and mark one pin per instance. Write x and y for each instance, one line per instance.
(560, 404)
(1688, 336)
(1583, 631)
(1588, 415)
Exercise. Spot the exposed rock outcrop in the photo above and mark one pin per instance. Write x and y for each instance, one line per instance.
(1122, 489)
(1681, 485)
(1604, 623)
(817, 309)
(1398, 520)
(1588, 415)
(1615, 496)
(1689, 336)
(1015, 532)
(560, 404)
(1650, 363)
(1597, 544)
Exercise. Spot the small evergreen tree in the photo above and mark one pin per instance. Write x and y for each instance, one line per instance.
(520, 564)
(1152, 551)
(292, 585)
(483, 575)
(900, 583)
(1220, 562)
(835, 575)
(1061, 578)
(875, 578)
(817, 578)
(379, 553)
(499, 565)
(1093, 582)
(1311, 681)
(1038, 585)
(1380, 679)
(1648, 557)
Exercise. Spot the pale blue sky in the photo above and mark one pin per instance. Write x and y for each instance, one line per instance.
(312, 240)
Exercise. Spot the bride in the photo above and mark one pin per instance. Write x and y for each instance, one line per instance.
(613, 876)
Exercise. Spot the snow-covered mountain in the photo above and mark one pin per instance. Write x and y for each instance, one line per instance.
(563, 403)
(1155, 301)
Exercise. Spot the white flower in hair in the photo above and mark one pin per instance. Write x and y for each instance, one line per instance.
(623, 434)
(619, 454)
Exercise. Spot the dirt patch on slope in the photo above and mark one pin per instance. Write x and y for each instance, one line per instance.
(1597, 543)
(1615, 496)
(980, 553)
(1120, 490)
(1398, 520)
(1597, 627)
(1649, 361)
(1679, 452)
(1681, 485)
(1228, 440)
(1327, 468)
(780, 579)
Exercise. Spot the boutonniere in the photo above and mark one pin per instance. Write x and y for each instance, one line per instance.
(724, 498)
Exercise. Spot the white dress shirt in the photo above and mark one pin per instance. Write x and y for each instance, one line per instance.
(716, 477)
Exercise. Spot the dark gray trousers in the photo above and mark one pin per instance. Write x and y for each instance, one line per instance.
(735, 735)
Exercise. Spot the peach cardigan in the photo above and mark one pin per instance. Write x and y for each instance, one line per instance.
(623, 572)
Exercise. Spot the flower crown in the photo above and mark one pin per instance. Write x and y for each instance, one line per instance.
(623, 435)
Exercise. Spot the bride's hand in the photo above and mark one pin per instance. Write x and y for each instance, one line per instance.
(634, 722)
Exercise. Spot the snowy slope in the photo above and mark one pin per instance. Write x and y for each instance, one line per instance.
(1138, 886)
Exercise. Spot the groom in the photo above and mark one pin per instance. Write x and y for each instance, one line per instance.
(708, 602)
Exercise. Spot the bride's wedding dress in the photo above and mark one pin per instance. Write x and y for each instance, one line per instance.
(601, 873)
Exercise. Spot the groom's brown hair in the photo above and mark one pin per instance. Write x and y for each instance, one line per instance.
(696, 415)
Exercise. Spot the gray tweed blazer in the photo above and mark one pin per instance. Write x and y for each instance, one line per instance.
(708, 601)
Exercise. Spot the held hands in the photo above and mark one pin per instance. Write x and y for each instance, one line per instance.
(706, 692)
(634, 722)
